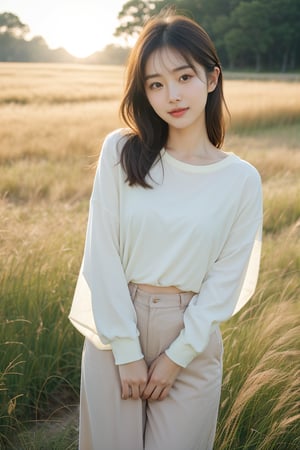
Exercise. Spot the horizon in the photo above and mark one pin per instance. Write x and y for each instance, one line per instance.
(81, 28)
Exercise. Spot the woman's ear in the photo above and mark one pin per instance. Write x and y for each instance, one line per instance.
(212, 79)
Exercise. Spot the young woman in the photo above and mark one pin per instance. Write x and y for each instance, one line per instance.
(172, 250)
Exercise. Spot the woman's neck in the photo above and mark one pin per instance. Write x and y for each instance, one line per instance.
(192, 146)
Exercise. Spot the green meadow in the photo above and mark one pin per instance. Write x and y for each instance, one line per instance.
(53, 121)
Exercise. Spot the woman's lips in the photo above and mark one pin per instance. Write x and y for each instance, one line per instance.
(179, 112)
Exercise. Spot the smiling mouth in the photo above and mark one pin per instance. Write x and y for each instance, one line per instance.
(178, 112)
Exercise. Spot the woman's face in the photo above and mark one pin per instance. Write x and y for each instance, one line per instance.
(176, 91)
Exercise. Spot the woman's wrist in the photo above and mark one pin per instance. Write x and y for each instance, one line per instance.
(180, 353)
(126, 350)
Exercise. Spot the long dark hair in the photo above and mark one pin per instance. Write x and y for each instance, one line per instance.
(149, 132)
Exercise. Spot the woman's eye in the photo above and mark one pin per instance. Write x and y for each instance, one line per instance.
(185, 77)
(155, 85)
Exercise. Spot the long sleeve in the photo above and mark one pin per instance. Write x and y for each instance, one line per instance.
(102, 280)
(229, 283)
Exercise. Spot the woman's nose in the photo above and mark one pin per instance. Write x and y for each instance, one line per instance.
(174, 95)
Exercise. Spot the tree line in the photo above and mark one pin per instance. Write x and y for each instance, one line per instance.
(248, 34)
(14, 46)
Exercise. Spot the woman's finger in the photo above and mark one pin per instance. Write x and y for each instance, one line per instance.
(156, 394)
(126, 391)
(148, 391)
(135, 392)
(164, 393)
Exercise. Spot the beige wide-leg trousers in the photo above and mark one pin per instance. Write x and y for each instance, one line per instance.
(185, 420)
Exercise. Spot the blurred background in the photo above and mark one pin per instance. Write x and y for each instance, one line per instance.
(253, 34)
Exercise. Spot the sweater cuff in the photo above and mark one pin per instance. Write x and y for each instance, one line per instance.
(181, 353)
(126, 350)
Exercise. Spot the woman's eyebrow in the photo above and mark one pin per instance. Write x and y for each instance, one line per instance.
(177, 69)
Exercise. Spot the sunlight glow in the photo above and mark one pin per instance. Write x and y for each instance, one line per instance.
(81, 40)
(81, 27)
(80, 43)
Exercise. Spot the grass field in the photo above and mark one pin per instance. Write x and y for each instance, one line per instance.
(53, 121)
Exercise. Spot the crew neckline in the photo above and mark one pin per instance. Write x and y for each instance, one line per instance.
(198, 168)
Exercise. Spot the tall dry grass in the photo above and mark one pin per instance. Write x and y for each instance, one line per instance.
(53, 120)
(58, 83)
(258, 104)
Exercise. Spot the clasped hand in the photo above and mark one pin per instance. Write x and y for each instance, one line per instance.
(137, 381)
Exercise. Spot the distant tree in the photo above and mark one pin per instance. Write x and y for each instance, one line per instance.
(9, 23)
(250, 31)
(263, 34)
(37, 50)
(14, 46)
(212, 15)
(134, 14)
(285, 32)
(60, 55)
(111, 54)
(7, 47)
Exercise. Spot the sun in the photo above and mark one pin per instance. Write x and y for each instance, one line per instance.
(82, 42)
(81, 48)
(82, 34)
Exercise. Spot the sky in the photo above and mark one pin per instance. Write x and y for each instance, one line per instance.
(80, 26)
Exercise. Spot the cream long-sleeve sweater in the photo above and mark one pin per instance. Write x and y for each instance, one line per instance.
(198, 229)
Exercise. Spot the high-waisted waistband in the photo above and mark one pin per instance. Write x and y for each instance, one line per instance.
(160, 300)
